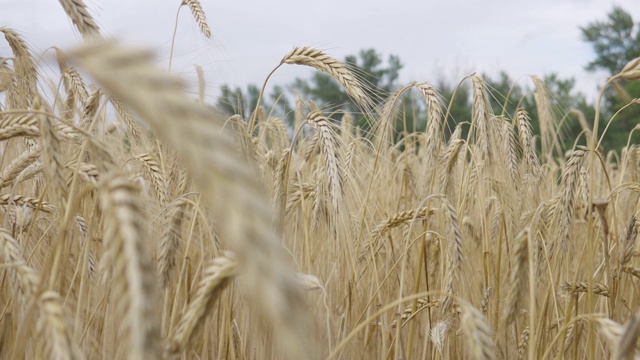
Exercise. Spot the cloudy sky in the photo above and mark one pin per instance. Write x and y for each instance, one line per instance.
(435, 39)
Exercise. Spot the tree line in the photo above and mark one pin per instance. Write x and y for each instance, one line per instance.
(615, 41)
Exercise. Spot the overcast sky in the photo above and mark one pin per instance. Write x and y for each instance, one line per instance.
(435, 39)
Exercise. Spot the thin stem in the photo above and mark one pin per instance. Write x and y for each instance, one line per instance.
(252, 124)
(173, 38)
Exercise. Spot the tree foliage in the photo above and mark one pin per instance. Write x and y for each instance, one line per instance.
(616, 41)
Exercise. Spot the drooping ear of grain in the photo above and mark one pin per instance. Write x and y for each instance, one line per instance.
(198, 16)
(317, 59)
(81, 18)
(25, 69)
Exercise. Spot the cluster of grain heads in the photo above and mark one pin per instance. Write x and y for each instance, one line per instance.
(212, 159)
(52, 332)
(138, 223)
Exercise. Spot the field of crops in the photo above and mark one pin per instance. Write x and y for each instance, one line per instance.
(138, 223)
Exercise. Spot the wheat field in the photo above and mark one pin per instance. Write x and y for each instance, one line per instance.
(139, 223)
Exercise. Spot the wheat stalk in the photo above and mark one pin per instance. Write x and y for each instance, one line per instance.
(24, 279)
(52, 155)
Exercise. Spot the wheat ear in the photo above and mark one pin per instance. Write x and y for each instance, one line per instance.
(330, 154)
(24, 279)
(52, 155)
(626, 348)
(519, 275)
(396, 220)
(25, 68)
(455, 255)
(133, 279)
(434, 126)
(79, 14)
(482, 115)
(570, 182)
(583, 287)
(170, 240)
(20, 200)
(317, 59)
(523, 344)
(158, 178)
(526, 142)
(53, 335)
(478, 333)
(18, 164)
(216, 276)
(199, 16)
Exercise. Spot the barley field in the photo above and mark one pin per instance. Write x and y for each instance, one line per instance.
(138, 223)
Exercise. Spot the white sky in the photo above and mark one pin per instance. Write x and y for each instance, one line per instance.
(434, 38)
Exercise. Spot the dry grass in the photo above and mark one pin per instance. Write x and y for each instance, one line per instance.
(138, 223)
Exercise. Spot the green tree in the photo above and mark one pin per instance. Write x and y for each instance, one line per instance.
(233, 101)
(616, 41)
